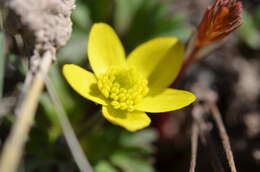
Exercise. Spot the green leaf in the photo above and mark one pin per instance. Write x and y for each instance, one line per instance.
(174, 26)
(75, 50)
(60, 86)
(124, 13)
(102, 141)
(104, 166)
(130, 163)
(100, 10)
(80, 16)
(54, 131)
(256, 16)
(142, 139)
(248, 32)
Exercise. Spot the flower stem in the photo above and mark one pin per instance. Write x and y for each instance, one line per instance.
(189, 60)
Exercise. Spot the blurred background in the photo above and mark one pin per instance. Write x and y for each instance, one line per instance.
(232, 71)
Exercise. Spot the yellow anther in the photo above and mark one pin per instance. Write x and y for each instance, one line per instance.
(128, 96)
(107, 88)
(116, 85)
(130, 108)
(106, 93)
(145, 90)
(115, 104)
(115, 90)
(112, 77)
(123, 106)
(135, 94)
(123, 90)
(123, 87)
(122, 96)
(129, 102)
(100, 85)
(122, 99)
(114, 96)
(138, 98)
(109, 84)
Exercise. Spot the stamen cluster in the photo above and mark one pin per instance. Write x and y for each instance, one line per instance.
(123, 87)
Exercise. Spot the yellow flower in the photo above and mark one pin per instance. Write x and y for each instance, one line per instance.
(128, 87)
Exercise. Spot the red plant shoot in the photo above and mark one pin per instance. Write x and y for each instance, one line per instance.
(219, 21)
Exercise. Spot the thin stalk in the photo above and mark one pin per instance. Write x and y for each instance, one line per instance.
(14, 145)
(194, 146)
(2, 62)
(223, 135)
(198, 114)
(188, 61)
(71, 138)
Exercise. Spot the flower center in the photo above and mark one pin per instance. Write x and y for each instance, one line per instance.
(124, 87)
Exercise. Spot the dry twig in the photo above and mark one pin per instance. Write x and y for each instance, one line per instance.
(198, 114)
(223, 135)
(13, 147)
(44, 26)
(194, 146)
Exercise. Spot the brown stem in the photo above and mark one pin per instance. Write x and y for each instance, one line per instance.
(223, 135)
(198, 114)
(194, 146)
(189, 60)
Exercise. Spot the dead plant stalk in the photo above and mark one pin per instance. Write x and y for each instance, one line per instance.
(194, 145)
(223, 135)
(14, 145)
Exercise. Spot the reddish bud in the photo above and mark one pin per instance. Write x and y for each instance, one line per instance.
(219, 21)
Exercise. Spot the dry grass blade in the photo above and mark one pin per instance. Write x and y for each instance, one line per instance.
(198, 113)
(194, 146)
(13, 147)
(2, 62)
(223, 134)
(73, 143)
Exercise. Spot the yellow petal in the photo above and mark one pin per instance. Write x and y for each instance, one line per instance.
(159, 60)
(167, 100)
(83, 82)
(104, 48)
(132, 121)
